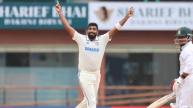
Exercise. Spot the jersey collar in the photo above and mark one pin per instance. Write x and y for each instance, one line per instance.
(187, 44)
(96, 39)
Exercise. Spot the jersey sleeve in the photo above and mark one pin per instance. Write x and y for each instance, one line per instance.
(106, 37)
(77, 37)
(188, 60)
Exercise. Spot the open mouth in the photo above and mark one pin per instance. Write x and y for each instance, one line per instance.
(92, 34)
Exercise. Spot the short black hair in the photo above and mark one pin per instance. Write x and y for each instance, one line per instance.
(92, 24)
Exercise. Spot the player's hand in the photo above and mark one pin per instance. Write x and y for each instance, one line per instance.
(172, 105)
(130, 12)
(177, 84)
(58, 8)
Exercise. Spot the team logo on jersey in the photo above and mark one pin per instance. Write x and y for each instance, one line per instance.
(97, 43)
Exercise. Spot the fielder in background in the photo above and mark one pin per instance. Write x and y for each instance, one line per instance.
(91, 50)
(183, 85)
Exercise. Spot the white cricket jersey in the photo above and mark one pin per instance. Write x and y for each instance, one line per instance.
(90, 52)
(186, 58)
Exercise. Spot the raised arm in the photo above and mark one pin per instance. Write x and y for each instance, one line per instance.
(67, 26)
(118, 26)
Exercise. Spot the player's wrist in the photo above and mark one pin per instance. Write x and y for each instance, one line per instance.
(179, 80)
(128, 16)
(60, 13)
(118, 26)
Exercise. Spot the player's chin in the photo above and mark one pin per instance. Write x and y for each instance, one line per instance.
(92, 37)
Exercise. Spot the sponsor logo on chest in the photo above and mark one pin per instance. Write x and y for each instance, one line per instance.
(91, 49)
(92, 46)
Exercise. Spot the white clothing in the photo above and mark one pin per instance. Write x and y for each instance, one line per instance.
(89, 83)
(184, 95)
(90, 52)
(90, 58)
(186, 59)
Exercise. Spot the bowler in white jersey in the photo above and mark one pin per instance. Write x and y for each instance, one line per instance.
(183, 85)
(91, 50)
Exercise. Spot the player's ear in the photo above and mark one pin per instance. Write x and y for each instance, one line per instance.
(97, 32)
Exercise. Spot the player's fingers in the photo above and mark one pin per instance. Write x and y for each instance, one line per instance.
(172, 105)
(131, 10)
(57, 1)
(57, 5)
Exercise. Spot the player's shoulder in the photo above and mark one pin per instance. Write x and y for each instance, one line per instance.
(79, 34)
(189, 49)
(190, 46)
(104, 34)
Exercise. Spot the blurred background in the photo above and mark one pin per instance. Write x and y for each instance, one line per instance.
(38, 60)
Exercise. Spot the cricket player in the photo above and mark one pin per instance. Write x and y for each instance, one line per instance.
(91, 50)
(183, 85)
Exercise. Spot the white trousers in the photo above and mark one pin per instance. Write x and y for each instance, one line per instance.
(89, 83)
(184, 96)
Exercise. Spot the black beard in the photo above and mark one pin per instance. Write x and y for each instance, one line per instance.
(181, 45)
(91, 37)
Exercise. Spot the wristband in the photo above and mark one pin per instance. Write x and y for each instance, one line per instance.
(118, 26)
(60, 12)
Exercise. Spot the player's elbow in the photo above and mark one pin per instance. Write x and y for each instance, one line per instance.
(70, 31)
